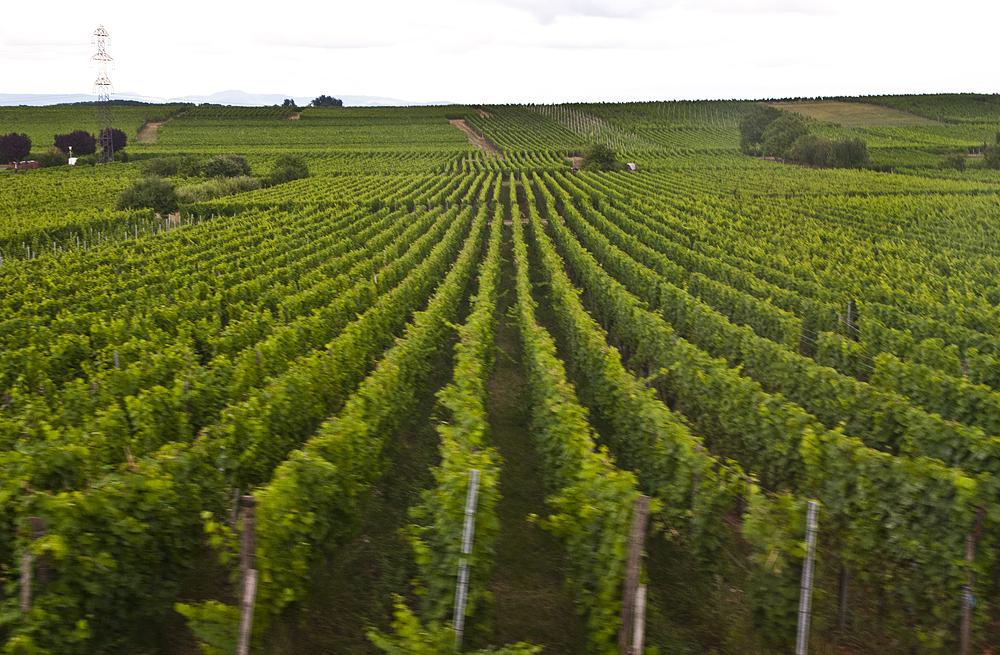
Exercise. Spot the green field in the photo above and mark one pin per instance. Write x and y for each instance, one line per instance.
(729, 336)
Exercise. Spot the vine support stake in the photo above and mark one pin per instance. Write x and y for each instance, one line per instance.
(248, 536)
(248, 574)
(971, 540)
(463, 566)
(631, 615)
(37, 530)
(805, 591)
(246, 612)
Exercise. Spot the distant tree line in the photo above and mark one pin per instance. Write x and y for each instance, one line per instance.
(770, 132)
(326, 101)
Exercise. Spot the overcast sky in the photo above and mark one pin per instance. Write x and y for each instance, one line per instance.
(497, 51)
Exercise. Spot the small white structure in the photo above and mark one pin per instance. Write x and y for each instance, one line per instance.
(72, 161)
(630, 166)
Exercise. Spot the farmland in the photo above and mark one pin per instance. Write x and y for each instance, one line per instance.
(729, 336)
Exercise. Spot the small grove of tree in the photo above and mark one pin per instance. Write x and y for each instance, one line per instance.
(153, 192)
(326, 101)
(288, 167)
(82, 142)
(770, 132)
(289, 102)
(226, 166)
(14, 147)
(752, 128)
(118, 138)
(846, 153)
(599, 157)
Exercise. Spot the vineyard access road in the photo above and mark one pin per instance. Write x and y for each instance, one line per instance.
(475, 138)
(149, 132)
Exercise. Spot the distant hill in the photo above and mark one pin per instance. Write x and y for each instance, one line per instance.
(233, 97)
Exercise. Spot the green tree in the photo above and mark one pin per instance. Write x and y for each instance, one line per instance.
(288, 167)
(752, 128)
(849, 153)
(153, 192)
(326, 101)
(781, 134)
(599, 157)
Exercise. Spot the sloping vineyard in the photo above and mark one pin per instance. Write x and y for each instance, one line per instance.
(730, 337)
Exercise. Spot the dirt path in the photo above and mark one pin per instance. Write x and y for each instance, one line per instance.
(475, 138)
(149, 132)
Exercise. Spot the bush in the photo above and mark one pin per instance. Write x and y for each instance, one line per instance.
(153, 192)
(846, 153)
(53, 157)
(118, 138)
(217, 188)
(186, 165)
(849, 153)
(14, 147)
(810, 149)
(83, 142)
(226, 166)
(287, 168)
(599, 157)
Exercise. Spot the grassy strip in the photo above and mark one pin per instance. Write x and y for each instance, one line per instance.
(592, 500)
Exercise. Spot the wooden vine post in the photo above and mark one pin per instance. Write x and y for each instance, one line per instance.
(248, 574)
(633, 614)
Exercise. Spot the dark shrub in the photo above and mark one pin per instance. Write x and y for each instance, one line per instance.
(53, 157)
(83, 142)
(226, 166)
(287, 168)
(154, 192)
